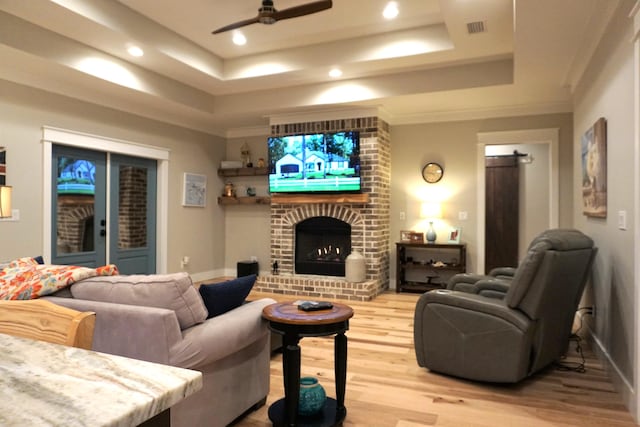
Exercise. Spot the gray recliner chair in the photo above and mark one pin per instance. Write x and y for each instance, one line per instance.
(505, 329)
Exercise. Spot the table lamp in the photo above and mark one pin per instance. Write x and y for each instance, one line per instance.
(431, 211)
(5, 201)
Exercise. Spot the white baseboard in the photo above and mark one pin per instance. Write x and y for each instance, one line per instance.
(619, 381)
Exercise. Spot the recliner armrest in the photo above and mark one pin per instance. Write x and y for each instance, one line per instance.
(465, 282)
(503, 272)
(475, 303)
(493, 288)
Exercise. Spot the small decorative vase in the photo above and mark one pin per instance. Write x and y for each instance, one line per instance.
(431, 234)
(312, 396)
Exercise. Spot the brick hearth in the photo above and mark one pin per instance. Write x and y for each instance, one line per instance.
(369, 221)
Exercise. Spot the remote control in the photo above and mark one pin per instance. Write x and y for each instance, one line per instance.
(314, 306)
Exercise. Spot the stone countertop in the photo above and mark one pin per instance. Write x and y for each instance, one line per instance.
(43, 384)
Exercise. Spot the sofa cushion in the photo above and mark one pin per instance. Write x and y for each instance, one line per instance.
(171, 291)
(225, 296)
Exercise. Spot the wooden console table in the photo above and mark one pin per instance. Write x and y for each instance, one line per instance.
(421, 267)
(293, 324)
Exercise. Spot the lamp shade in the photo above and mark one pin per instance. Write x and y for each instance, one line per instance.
(431, 210)
(5, 201)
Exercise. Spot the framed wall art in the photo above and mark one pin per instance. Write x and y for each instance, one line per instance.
(454, 235)
(416, 237)
(194, 192)
(405, 235)
(594, 170)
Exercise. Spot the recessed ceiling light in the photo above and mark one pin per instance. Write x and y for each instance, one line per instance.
(335, 73)
(391, 10)
(239, 39)
(135, 51)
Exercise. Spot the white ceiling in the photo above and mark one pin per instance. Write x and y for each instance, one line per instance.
(423, 66)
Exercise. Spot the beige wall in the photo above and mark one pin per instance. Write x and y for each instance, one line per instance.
(606, 90)
(248, 226)
(197, 233)
(454, 146)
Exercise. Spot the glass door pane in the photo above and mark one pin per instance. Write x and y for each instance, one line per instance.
(132, 209)
(79, 208)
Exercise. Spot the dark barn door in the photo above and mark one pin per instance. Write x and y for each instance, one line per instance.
(501, 224)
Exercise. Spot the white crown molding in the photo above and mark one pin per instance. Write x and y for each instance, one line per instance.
(598, 24)
(481, 113)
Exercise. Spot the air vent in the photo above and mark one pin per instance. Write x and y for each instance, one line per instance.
(475, 27)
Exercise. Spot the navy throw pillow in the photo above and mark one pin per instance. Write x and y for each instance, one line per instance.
(39, 259)
(222, 297)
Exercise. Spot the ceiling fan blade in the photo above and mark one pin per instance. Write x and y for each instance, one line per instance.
(236, 25)
(305, 9)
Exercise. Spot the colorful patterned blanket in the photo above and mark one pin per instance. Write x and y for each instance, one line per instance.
(24, 278)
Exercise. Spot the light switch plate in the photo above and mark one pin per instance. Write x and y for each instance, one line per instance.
(622, 220)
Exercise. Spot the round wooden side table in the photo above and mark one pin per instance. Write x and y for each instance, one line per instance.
(294, 324)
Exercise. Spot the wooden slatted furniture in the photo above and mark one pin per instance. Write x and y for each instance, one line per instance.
(45, 321)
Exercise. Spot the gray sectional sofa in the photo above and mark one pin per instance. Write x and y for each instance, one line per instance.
(162, 318)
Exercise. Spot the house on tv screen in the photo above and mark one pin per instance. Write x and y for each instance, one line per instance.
(315, 162)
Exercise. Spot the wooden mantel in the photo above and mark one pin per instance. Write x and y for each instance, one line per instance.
(356, 198)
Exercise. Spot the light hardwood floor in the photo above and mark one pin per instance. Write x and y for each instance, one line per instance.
(386, 387)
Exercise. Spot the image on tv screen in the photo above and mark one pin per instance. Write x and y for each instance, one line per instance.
(314, 163)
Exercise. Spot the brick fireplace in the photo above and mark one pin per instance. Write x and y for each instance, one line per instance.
(367, 214)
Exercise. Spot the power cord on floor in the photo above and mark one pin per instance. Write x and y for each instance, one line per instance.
(575, 366)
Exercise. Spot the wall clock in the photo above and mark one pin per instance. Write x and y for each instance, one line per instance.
(432, 172)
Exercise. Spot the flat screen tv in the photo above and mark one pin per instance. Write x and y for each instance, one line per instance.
(315, 163)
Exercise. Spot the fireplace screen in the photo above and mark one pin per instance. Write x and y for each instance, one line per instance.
(322, 245)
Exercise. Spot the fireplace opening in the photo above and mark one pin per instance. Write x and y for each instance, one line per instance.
(322, 245)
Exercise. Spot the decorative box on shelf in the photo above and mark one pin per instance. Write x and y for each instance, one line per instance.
(421, 267)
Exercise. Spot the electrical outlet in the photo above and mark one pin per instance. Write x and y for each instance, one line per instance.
(463, 215)
(403, 216)
(184, 261)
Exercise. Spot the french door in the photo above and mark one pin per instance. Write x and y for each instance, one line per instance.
(103, 210)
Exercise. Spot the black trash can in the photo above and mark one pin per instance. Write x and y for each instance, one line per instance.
(247, 268)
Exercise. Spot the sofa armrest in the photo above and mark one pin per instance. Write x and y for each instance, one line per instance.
(222, 335)
(145, 333)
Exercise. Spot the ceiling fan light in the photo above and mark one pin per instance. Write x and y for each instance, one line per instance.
(391, 10)
(239, 39)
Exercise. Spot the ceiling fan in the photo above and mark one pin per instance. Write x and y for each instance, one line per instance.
(268, 14)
